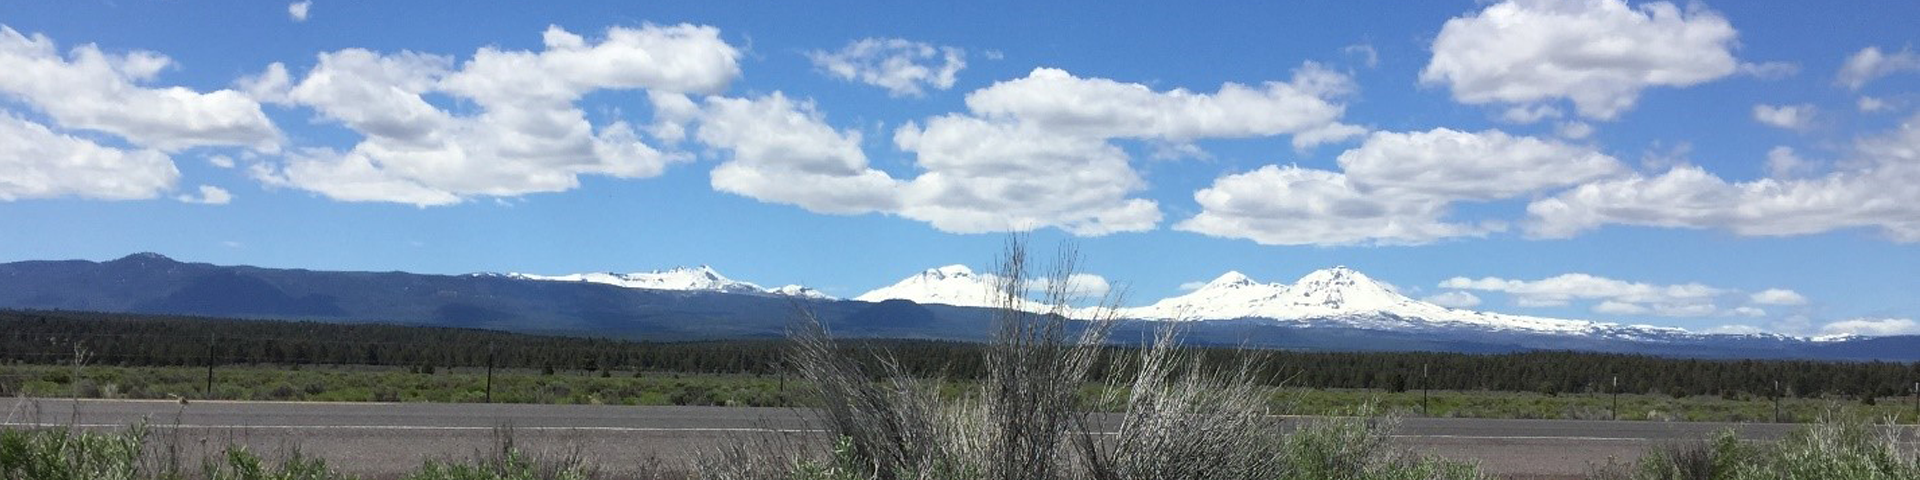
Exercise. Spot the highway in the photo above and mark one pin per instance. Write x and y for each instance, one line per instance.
(381, 440)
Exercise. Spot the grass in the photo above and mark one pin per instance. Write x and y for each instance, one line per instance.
(1836, 447)
(396, 384)
(463, 385)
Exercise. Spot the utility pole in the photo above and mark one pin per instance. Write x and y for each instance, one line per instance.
(1426, 392)
(1916, 403)
(490, 351)
(1616, 397)
(1776, 401)
(210, 342)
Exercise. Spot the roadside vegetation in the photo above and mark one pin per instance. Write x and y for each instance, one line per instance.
(362, 383)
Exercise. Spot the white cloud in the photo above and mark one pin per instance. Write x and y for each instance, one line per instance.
(221, 161)
(1290, 205)
(1778, 296)
(93, 90)
(1770, 70)
(1782, 162)
(1870, 104)
(1037, 151)
(1583, 286)
(1620, 308)
(983, 176)
(1872, 327)
(37, 162)
(1573, 130)
(1454, 299)
(905, 68)
(208, 195)
(1397, 188)
(1620, 297)
(784, 152)
(1367, 55)
(526, 135)
(1060, 103)
(1484, 165)
(1524, 114)
(1599, 54)
(1193, 285)
(1791, 117)
(1879, 188)
(1870, 63)
(1081, 286)
(298, 10)
(1613, 296)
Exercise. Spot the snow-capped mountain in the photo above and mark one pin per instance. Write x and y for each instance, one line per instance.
(697, 279)
(1337, 296)
(1344, 296)
(954, 285)
(801, 291)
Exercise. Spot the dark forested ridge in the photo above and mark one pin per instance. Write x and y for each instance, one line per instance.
(123, 339)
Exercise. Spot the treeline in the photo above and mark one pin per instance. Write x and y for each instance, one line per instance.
(148, 340)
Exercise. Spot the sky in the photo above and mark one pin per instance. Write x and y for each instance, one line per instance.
(1718, 166)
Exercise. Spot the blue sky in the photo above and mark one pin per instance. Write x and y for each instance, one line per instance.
(1731, 165)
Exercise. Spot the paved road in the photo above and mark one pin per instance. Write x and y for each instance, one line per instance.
(382, 439)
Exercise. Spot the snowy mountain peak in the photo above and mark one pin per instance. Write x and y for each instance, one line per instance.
(1342, 288)
(801, 291)
(950, 285)
(1231, 279)
(949, 271)
(701, 278)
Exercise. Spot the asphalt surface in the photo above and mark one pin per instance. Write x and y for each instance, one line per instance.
(381, 440)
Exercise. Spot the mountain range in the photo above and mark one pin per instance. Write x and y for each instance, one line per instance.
(1331, 309)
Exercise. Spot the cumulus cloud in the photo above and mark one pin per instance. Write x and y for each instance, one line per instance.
(526, 134)
(208, 195)
(1872, 327)
(1038, 151)
(1880, 188)
(37, 162)
(94, 90)
(1778, 296)
(1454, 299)
(1791, 117)
(983, 176)
(1574, 130)
(1080, 285)
(1598, 54)
(1613, 296)
(1061, 103)
(1482, 165)
(905, 68)
(1870, 63)
(1276, 205)
(1783, 162)
(782, 151)
(298, 10)
(1396, 188)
